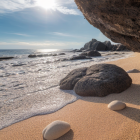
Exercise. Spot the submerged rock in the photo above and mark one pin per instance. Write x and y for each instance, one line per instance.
(80, 57)
(55, 130)
(5, 58)
(61, 54)
(97, 80)
(118, 20)
(116, 105)
(90, 53)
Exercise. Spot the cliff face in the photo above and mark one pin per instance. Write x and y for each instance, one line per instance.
(119, 20)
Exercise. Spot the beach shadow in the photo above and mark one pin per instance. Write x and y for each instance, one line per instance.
(68, 136)
(132, 113)
(131, 95)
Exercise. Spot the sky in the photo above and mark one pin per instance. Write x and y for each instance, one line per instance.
(44, 24)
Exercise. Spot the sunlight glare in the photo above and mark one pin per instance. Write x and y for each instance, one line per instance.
(47, 4)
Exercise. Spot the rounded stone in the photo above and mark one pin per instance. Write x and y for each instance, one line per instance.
(55, 130)
(116, 105)
(101, 80)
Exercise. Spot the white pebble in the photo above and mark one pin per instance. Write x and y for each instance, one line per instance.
(116, 105)
(55, 130)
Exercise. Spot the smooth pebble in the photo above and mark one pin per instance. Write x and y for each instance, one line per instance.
(55, 130)
(116, 105)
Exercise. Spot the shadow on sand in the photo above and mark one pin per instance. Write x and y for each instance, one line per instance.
(68, 136)
(131, 96)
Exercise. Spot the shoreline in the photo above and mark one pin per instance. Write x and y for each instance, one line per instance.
(91, 113)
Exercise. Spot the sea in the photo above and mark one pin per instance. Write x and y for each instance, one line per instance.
(30, 86)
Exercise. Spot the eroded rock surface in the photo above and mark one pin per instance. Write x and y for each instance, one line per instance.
(119, 20)
(98, 80)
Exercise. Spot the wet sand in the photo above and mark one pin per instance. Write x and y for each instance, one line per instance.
(89, 117)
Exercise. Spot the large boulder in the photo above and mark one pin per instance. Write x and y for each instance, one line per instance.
(119, 20)
(98, 80)
(72, 78)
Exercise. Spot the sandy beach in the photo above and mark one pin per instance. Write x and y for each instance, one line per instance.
(89, 117)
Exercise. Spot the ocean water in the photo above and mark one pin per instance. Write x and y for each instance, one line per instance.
(30, 86)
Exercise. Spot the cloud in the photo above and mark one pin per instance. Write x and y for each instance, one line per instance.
(40, 45)
(15, 5)
(67, 11)
(19, 34)
(62, 34)
(63, 6)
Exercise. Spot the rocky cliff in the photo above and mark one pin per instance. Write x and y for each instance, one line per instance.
(119, 20)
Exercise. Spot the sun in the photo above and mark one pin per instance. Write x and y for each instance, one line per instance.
(47, 4)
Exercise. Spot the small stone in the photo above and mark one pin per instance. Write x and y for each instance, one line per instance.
(133, 71)
(55, 130)
(116, 105)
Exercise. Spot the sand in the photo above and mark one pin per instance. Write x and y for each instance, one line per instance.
(90, 119)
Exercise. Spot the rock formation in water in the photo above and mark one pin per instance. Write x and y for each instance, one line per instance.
(119, 20)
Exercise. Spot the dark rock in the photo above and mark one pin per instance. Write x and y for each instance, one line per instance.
(79, 57)
(54, 54)
(93, 53)
(99, 80)
(77, 50)
(83, 54)
(90, 53)
(95, 45)
(88, 46)
(133, 71)
(118, 20)
(120, 47)
(99, 46)
(72, 78)
(61, 54)
(5, 58)
(108, 44)
(114, 47)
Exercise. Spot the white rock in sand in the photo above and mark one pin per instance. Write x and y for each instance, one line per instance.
(133, 71)
(116, 105)
(55, 130)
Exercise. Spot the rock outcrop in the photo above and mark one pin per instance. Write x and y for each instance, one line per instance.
(108, 44)
(117, 19)
(97, 80)
(95, 45)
